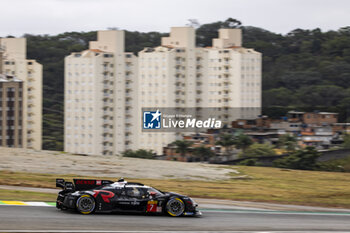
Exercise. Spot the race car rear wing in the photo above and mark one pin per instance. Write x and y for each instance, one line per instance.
(81, 184)
(60, 183)
(67, 186)
(85, 184)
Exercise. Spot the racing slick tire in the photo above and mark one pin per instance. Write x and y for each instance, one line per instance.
(175, 207)
(86, 204)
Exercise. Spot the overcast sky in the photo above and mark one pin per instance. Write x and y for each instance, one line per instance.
(56, 16)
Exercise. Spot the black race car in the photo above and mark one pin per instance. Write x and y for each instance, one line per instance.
(89, 196)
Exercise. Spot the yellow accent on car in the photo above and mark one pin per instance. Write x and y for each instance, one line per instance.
(179, 200)
(152, 202)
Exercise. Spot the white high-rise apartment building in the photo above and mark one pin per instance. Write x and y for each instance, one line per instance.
(15, 63)
(177, 74)
(100, 91)
(105, 88)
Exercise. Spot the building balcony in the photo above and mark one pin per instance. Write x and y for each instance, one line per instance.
(178, 71)
(106, 139)
(127, 112)
(226, 104)
(128, 86)
(226, 81)
(107, 87)
(179, 88)
(226, 98)
(179, 98)
(107, 130)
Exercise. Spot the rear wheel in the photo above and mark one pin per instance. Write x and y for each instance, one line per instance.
(86, 204)
(175, 207)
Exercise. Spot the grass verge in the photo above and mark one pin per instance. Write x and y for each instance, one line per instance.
(16, 195)
(315, 188)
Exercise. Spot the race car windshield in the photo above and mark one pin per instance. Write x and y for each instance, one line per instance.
(155, 191)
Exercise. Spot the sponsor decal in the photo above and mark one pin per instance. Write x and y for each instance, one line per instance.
(90, 182)
(106, 195)
(135, 203)
(152, 206)
(98, 182)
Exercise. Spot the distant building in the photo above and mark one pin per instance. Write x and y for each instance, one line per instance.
(319, 129)
(26, 73)
(313, 118)
(100, 97)
(106, 88)
(11, 111)
(179, 74)
(262, 122)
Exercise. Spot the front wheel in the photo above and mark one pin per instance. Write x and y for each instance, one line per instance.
(175, 207)
(86, 204)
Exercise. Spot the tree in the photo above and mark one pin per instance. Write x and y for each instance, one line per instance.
(141, 154)
(226, 141)
(182, 147)
(258, 150)
(278, 97)
(287, 142)
(305, 159)
(346, 143)
(248, 162)
(203, 153)
(243, 141)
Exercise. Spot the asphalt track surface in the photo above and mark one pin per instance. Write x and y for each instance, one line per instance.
(25, 218)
